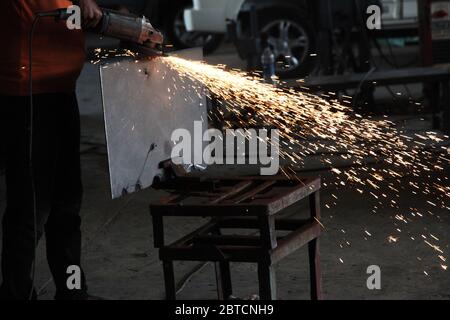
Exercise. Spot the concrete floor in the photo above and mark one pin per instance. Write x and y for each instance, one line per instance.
(120, 261)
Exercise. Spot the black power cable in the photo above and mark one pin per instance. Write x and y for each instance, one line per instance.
(57, 14)
(30, 150)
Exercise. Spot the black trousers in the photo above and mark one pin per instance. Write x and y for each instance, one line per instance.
(55, 185)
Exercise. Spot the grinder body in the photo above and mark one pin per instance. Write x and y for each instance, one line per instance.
(136, 33)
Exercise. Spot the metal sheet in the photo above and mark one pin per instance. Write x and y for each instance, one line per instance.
(143, 104)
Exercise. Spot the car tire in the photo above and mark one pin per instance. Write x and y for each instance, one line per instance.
(181, 39)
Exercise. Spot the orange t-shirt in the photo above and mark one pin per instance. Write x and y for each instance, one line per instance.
(58, 53)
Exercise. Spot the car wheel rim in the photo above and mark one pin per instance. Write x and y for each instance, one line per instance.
(289, 42)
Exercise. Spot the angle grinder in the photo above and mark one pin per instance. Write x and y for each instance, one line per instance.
(136, 33)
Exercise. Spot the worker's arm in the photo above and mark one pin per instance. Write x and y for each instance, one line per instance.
(91, 12)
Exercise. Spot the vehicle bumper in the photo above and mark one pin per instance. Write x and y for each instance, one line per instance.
(206, 20)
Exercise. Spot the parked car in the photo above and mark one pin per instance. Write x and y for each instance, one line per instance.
(288, 23)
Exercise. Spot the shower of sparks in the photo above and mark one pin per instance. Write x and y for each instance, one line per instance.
(307, 122)
(378, 156)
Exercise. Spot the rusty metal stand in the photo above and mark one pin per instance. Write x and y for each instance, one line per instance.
(240, 204)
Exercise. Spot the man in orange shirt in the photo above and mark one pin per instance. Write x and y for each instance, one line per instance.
(51, 192)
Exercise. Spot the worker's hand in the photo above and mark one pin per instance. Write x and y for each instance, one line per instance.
(91, 12)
